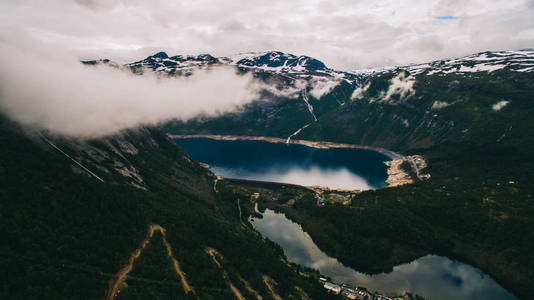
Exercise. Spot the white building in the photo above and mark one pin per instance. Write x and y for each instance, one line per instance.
(336, 289)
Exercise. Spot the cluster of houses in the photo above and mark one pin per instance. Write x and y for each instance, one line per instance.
(353, 293)
(419, 163)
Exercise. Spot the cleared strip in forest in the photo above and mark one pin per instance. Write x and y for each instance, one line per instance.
(214, 254)
(68, 156)
(303, 294)
(269, 282)
(119, 278)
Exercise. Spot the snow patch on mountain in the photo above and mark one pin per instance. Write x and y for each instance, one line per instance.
(359, 91)
(178, 64)
(499, 105)
(401, 85)
(295, 133)
(490, 61)
(281, 62)
(276, 62)
(440, 104)
(290, 65)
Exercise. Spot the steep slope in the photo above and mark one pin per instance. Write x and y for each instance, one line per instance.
(399, 107)
(470, 117)
(67, 233)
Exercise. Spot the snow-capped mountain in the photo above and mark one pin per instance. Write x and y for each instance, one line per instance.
(308, 68)
(277, 61)
(178, 64)
(290, 64)
(488, 61)
(271, 62)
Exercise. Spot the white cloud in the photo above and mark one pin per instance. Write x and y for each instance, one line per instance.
(292, 90)
(358, 92)
(440, 104)
(42, 83)
(527, 35)
(51, 89)
(345, 34)
(322, 86)
(401, 85)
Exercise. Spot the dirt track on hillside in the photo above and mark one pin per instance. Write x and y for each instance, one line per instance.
(118, 279)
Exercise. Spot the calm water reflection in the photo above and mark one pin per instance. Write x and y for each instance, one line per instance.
(433, 276)
(298, 164)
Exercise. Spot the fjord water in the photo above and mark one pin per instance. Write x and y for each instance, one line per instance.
(290, 163)
(432, 276)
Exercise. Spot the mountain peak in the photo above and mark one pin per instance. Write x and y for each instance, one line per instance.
(278, 59)
(270, 62)
(160, 55)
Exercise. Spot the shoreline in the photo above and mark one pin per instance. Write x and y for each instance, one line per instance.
(396, 176)
(315, 144)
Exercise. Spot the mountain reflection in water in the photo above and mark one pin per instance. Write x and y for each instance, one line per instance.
(344, 168)
(433, 276)
(332, 178)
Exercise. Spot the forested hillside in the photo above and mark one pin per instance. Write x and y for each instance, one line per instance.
(66, 234)
(473, 127)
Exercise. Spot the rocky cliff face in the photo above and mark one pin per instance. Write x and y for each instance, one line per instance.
(124, 158)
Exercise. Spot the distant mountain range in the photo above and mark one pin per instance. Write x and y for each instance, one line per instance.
(418, 100)
(74, 212)
(272, 62)
(286, 63)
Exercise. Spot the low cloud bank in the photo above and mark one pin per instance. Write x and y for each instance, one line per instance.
(401, 85)
(51, 89)
(321, 87)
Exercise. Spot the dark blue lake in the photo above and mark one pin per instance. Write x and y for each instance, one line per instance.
(344, 168)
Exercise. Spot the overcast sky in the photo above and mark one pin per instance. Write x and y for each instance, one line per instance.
(345, 34)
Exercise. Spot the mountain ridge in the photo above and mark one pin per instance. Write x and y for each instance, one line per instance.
(281, 62)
